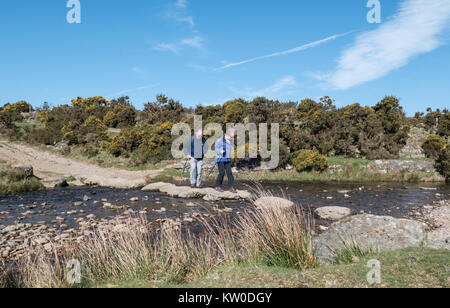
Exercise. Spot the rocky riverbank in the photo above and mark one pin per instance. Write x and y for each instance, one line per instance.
(16, 239)
(437, 218)
(51, 218)
(428, 226)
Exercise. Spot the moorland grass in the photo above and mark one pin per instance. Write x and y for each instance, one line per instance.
(13, 181)
(404, 268)
(353, 171)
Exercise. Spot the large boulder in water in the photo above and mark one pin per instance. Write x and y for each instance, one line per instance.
(370, 233)
(333, 213)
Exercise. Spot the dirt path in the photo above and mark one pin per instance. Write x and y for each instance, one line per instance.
(48, 166)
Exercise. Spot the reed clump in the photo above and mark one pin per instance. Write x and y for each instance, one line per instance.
(270, 236)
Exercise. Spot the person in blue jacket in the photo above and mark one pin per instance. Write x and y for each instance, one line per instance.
(224, 149)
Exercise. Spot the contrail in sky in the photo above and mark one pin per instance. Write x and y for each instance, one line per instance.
(286, 52)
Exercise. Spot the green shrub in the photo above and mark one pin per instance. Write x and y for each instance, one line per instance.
(122, 116)
(444, 124)
(156, 147)
(151, 143)
(44, 135)
(18, 107)
(12, 175)
(286, 156)
(12, 133)
(22, 186)
(308, 160)
(90, 151)
(433, 146)
(110, 119)
(127, 142)
(91, 131)
(21, 106)
(443, 163)
(14, 181)
(8, 116)
(163, 110)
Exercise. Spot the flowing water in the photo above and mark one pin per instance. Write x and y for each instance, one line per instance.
(44, 206)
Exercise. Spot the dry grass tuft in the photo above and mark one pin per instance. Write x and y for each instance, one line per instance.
(271, 236)
(277, 235)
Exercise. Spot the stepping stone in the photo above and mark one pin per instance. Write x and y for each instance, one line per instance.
(333, 213)
(273, 202)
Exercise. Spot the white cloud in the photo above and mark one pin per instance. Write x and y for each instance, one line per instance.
(178, 12)
(193, 42)
(285, 52)
(414, 30)
(186, 19)
(182, 4)
(278, 87)
(167, 47)
(138, 70)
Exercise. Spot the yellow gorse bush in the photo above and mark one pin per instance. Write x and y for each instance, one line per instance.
(433, 145)
(308, 160)
(151, 141)
(91, 102)
(21, 106)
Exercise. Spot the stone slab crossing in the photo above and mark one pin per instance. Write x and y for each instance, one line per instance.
(207, 194)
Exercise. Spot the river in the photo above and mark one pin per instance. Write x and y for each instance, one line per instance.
(43, 207)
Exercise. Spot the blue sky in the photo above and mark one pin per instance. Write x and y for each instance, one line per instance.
(207, 52)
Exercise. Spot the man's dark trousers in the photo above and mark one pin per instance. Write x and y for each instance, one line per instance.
(225, 167)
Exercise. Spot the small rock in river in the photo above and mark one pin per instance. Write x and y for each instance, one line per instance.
(343, 192)
(333, 213)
